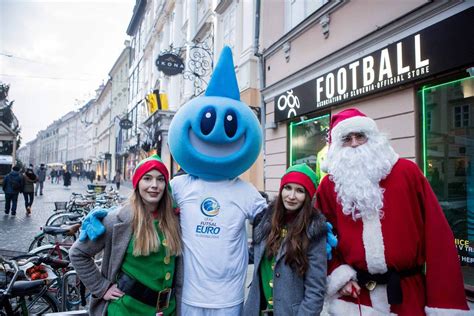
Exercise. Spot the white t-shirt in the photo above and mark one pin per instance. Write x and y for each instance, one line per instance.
(215, 251)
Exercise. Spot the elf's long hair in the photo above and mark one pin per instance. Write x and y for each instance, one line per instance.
(146, 237)
(297, 240)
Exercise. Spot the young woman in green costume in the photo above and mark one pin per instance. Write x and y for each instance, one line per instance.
(289, 251)
(141, 244)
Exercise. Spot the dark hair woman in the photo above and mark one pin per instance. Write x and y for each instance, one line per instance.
(289, 251)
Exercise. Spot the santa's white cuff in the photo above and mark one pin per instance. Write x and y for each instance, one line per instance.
(339, 277)
(433, 311)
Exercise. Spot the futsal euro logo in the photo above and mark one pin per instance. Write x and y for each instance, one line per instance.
(210, 207)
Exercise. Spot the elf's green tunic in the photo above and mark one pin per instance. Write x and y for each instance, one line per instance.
(156, 271)
(267, 266)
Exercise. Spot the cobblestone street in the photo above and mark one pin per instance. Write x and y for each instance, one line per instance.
(17, 232)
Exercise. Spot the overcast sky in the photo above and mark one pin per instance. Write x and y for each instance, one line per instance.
(54, 54)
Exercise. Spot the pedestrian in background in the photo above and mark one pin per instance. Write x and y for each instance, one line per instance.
(117, 179)
(41, 174)
(67, 178)
(289, 251)
(59, 175)
(12, 186)
(29, 180)
(140, 244)
(53, 174)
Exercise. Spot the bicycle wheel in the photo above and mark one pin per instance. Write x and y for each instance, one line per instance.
(76, 295)
(55, 214)
(39, 241)
(61, 219)
(41, 304)
(54, 251)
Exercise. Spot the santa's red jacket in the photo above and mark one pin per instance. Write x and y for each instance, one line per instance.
(413, 233)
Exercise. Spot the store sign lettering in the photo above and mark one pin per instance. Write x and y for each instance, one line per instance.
(170, 64)
(426, 53)
(363, 75)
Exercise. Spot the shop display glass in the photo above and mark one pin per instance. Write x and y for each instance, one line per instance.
(308, 142)
(447, 121)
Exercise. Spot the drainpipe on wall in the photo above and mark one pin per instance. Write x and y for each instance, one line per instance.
(261, 74)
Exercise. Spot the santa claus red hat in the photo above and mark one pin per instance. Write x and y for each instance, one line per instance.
(350, 121)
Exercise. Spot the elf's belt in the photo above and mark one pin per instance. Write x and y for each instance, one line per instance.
(391, 278)
(142, 293)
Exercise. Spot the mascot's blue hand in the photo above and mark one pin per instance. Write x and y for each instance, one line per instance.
(92, 227)
(331, 240)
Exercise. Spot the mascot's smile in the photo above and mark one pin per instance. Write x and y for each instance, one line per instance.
(215, 150)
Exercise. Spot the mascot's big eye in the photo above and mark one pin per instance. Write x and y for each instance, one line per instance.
(230, 123)
(208, 120)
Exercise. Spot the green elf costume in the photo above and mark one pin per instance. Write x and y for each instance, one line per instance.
(154, 271)
(303, 175)
(147, 281)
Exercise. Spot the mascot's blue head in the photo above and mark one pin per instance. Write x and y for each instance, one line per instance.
(216, 136)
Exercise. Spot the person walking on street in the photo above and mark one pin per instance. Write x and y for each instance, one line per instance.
(53, 174)
(396, 251)
(41, 174)
(67, 178)
(29, 178)
(12, 186)
(289, 251)
(117, 179)
(141, 245)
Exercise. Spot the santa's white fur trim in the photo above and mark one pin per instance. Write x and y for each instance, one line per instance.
(373, 245)
(375, 258)
(339, 307)
(353, 125)
(338, 278)
(379, 299)
(433, 311)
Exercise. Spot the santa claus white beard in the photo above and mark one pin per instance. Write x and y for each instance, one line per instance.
(357, 172)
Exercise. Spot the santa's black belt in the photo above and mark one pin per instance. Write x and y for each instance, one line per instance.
(391, 278)
(142, 293)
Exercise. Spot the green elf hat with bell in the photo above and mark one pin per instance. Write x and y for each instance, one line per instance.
(303, 175)
(147, 164)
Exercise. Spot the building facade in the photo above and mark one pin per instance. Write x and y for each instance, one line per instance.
(410, 67)
(194, 32)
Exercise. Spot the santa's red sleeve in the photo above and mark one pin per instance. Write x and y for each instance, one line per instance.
(339, 273)
(444, 283)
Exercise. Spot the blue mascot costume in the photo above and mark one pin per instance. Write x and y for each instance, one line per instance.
(215, 138)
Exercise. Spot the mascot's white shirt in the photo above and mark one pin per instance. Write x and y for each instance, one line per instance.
(215, 254)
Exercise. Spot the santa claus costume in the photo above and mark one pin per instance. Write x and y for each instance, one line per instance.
(393, 236)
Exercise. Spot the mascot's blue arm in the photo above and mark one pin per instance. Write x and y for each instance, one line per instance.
(92, 227)
(331, 240)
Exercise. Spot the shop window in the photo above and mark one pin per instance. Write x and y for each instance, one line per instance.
(308, 142)
(448, 160)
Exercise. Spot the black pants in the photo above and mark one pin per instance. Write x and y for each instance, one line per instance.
(118, 185)
(29, 197)
(11, 198)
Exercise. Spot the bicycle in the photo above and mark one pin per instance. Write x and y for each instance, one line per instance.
(23, 297)
(65, 234)
(65, 285)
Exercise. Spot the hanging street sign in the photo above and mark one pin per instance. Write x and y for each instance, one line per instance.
(125, 124)
(170, 64)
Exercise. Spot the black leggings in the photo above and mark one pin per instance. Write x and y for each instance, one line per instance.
(29, 197)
